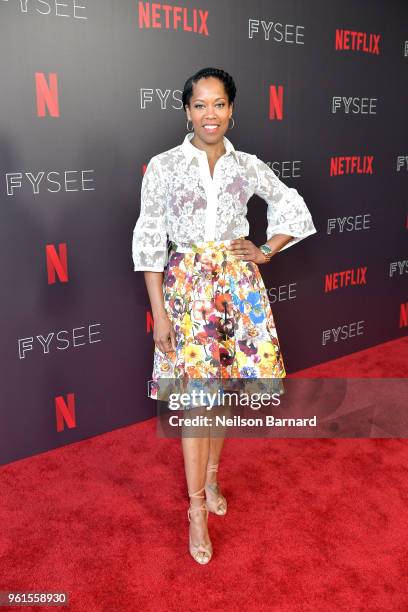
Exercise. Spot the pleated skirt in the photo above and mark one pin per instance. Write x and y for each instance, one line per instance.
(222, 318)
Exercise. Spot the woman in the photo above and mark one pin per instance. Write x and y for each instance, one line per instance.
(212, 317)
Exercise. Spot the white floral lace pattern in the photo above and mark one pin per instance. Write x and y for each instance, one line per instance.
(182, 202)
(287, 212)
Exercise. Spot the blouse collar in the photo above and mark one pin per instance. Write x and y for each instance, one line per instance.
(191, 151)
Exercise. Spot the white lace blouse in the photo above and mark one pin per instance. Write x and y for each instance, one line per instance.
(181, 202)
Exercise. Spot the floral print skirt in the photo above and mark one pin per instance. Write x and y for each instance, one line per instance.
(222, 319)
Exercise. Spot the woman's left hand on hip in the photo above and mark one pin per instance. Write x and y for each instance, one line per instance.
(246, 250)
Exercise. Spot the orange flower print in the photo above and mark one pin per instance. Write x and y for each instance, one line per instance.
(201, 337)
(202, 309)
(223, 302)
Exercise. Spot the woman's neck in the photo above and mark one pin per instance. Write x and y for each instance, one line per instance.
(214, 151)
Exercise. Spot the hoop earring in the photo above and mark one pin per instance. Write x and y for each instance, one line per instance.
(188, 130)
(233, 123)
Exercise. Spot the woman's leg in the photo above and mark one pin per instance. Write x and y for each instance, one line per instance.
(195, 453)
(195, 445)
(217, 439)
(215, 449)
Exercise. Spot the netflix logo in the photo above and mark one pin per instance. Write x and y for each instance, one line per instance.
(349, 40)
(57, 263)
(403, 319)
(275, 102)
(65, 411)
(165, 16)
(353, 164)
(47, 94)
(346, 278)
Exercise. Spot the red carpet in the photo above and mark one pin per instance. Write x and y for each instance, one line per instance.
(313, 525)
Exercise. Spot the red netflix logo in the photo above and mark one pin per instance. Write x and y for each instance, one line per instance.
(155, 15)
(403, 322)
(276, 102)
(346, 278)
(349, 40)
(65, 411)
(47, 94)
(353, 164)
(57, 263)
(149, 322)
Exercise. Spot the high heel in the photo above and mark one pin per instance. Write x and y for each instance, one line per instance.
(218, 506)
(201, 553)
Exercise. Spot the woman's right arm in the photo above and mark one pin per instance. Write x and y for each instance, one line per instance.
(149, 249)
(163, 333)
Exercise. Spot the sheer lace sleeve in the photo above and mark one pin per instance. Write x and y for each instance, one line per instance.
(149, 244)
(287, 212)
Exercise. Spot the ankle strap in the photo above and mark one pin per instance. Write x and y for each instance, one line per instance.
(192, 509)
(196, 493)
(213, 468)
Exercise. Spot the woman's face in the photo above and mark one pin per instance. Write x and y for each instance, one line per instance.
(209, 106)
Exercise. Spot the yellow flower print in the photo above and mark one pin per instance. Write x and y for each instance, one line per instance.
(187, 325)
(193, 354)
(266, 352)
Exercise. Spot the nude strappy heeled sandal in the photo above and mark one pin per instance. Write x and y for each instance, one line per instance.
(218, 506)
(201, 553)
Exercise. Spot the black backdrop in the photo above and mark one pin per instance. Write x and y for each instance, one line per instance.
(71, 175)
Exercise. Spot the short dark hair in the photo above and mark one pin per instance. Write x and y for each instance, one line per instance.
(223, 76)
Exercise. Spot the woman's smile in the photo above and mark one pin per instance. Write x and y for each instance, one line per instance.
(211, 129)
